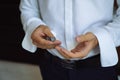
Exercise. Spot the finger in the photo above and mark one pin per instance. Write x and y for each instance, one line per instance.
(48, 32)
(45, 29)
(79, 54)
(59, 49)
(87, 37)
(79, 47)
(83, 51)
(43, 46)
(70, 54)
(42, 43)
(38, 38)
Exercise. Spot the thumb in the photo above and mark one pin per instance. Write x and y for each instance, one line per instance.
(49, 35)
(87, 37)
(48, 32)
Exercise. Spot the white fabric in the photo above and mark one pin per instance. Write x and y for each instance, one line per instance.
(70, 18)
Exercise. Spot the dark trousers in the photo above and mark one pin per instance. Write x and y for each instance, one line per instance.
(52, 69)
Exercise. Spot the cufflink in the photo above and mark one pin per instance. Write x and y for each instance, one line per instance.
(51, 38)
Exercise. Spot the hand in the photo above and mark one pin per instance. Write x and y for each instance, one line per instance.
(86, 43)
(38, 38)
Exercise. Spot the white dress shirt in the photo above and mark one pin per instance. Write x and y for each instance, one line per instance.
(70, 18)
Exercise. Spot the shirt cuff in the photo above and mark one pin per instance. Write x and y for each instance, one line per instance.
(27, 41)
(108, 53)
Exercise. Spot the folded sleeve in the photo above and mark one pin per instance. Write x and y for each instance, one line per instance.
(109, 38)
(30, 18)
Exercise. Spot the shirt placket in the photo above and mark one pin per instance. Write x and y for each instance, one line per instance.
(68, 23)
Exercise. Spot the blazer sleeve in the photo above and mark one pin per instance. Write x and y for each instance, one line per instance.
(30, 18)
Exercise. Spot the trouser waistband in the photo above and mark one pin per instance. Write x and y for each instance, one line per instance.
(92, 62)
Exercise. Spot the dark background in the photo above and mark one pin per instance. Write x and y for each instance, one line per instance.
(11, 34)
